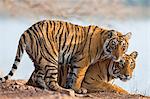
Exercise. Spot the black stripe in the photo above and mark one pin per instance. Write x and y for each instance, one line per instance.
(76, 43)
(58, 32)
(23, 35)
(17, 59)
(18, 50)
(40, 60)
(108, 72)
(75, 66)
(50, 23)
(89, 29)
(14, 66)
(64, 41)
(68, 58)
(51, 61)
(89, 50)
(40, 73)
(34, 28)
(30, 35)
(70, 43)
(80, 59)
(86, 82)
(36, 47)
(39, 76)
(60, 38)
(51, 77)
(102, 31)
(49, 53)
(21, 47)
(51, 70)
(92, 78)
(97, 50)
(54, 67)
(36, 38)
(11, 73)
(53, 30)
(71, 73)
(100, 77)
(6, 77)
(67, 28)
(47, 72)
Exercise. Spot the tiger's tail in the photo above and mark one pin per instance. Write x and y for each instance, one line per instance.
(19, 54)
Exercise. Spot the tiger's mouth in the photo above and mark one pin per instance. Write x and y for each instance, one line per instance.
(124, 79)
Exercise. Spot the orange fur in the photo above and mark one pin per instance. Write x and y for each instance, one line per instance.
(98, 78)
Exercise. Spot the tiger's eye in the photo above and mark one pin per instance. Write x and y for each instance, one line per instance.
(131, 64)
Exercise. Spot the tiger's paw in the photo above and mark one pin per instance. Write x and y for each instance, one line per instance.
(69, 92)
(81, 91)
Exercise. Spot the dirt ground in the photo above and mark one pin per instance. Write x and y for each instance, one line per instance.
(16, 89)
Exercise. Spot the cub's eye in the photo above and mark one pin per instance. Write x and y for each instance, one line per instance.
(121, 63)
(131, 64)
(113, 43)
(124, 47)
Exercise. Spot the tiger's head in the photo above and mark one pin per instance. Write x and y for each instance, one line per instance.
(116, 44)
(124, 68)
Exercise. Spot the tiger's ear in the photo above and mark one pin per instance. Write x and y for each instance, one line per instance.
(128, 35)
(134, 54)
(112, 33)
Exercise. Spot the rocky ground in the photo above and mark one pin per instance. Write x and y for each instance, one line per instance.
(16, 89)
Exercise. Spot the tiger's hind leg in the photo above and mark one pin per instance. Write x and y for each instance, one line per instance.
(62, 75)
(51, 80)
(37, 79)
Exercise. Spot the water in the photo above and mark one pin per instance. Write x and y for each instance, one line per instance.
(11, 29)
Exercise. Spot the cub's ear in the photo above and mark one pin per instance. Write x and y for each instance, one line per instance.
(134, 54)
(128, 35)
(112, 33)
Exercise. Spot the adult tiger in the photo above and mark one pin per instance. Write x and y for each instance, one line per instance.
(51, 44)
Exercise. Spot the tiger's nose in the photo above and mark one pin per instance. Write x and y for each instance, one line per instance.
(116, 59)
(127, 75)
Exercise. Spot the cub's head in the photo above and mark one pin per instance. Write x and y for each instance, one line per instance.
(116, 44)
(124, 68)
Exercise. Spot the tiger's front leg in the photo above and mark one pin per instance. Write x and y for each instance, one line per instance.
(103, 86)
(79, 72)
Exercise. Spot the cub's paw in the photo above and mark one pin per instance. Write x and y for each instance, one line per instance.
(81, 91)
(122, 91)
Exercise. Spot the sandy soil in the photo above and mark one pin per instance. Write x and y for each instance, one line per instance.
(16, 89)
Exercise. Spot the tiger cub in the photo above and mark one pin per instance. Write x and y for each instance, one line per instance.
(100, 75)
(53, 44)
